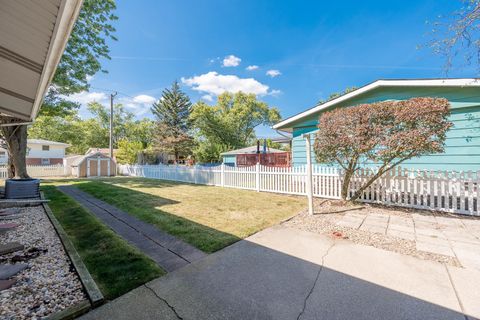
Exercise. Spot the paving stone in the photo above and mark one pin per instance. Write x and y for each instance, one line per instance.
(377, 216)
(432, 240)
(5, 284)
(355, 215)
(401, 228)
(373, 228)
(401, 221)
(449, 221)
(434, 248)
(350, 223)
(467, 254)
(10, 247)
(423, 218)
(375, 224)
(9, 270)
(4, 227)
(430, 232)
(401, 234)
(461, 236)
(9, 211)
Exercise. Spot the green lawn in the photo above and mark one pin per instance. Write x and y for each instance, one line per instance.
(115, 266)
(207, 217)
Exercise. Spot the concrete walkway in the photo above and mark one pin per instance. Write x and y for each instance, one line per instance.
(284, 273)
(453, 236)
(166, 250)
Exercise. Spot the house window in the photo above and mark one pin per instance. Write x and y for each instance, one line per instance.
(45, 148)
(45, 161)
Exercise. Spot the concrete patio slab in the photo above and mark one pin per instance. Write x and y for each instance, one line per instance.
(467, 287)
(401, 234)
(435, 248)
(140, 303)
(283, 273)
(467, 254)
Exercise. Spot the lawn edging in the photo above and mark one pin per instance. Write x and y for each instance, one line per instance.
(93, 292)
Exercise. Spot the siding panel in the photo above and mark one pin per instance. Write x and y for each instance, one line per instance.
(462, 150)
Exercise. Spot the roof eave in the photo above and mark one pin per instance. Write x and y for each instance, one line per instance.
(464, 82)
(66, 18)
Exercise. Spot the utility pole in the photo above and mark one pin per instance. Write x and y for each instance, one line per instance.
(112, 95)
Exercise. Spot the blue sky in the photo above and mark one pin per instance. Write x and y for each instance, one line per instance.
(304, 50)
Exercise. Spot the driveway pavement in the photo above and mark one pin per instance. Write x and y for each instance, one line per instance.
(284, 273)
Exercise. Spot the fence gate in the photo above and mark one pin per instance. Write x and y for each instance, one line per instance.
(98, 167)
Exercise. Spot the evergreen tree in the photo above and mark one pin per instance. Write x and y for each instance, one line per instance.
(172, 114)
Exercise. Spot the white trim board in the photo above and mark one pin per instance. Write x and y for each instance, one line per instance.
(466, 82)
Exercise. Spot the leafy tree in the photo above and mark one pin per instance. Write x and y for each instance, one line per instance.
(121, 117)
(128, 151)
(456, 35)
(173, 127)
(385, 133)
(230, 124)
(86, 46)
(338, 94)
(82, 134)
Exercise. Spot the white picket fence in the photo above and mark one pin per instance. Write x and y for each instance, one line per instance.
(457, 192)
(39, 171)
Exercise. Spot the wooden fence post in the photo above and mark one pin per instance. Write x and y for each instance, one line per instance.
(308, 178)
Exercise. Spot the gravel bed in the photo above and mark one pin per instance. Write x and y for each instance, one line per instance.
(50, 283)
(325, 223)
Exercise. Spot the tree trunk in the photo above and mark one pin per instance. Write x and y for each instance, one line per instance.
(16, 142)
(346, 184)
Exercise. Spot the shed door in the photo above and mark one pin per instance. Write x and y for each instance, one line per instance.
(92, 167)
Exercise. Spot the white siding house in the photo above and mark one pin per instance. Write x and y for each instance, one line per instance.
(41, 152)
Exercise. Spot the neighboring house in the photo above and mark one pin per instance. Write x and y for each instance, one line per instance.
(462, 150)
(250, 156)
(41, 152)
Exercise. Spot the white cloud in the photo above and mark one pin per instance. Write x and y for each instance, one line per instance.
(215, 84)
(144, 99)
(139, 104)
(85, 97)
(275, 93)
(207, 97)
(252, 67)
(90, 78)
(231, 61)
(273, 73)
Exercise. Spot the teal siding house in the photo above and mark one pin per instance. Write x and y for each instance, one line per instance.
(462, 150)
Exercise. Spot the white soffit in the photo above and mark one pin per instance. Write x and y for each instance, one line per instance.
(33, 36)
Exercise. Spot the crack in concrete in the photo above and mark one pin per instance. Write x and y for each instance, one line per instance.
(456, 292)
(165, 301)
(316, 280)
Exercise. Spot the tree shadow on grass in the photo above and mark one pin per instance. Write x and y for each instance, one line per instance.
(148, 208)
